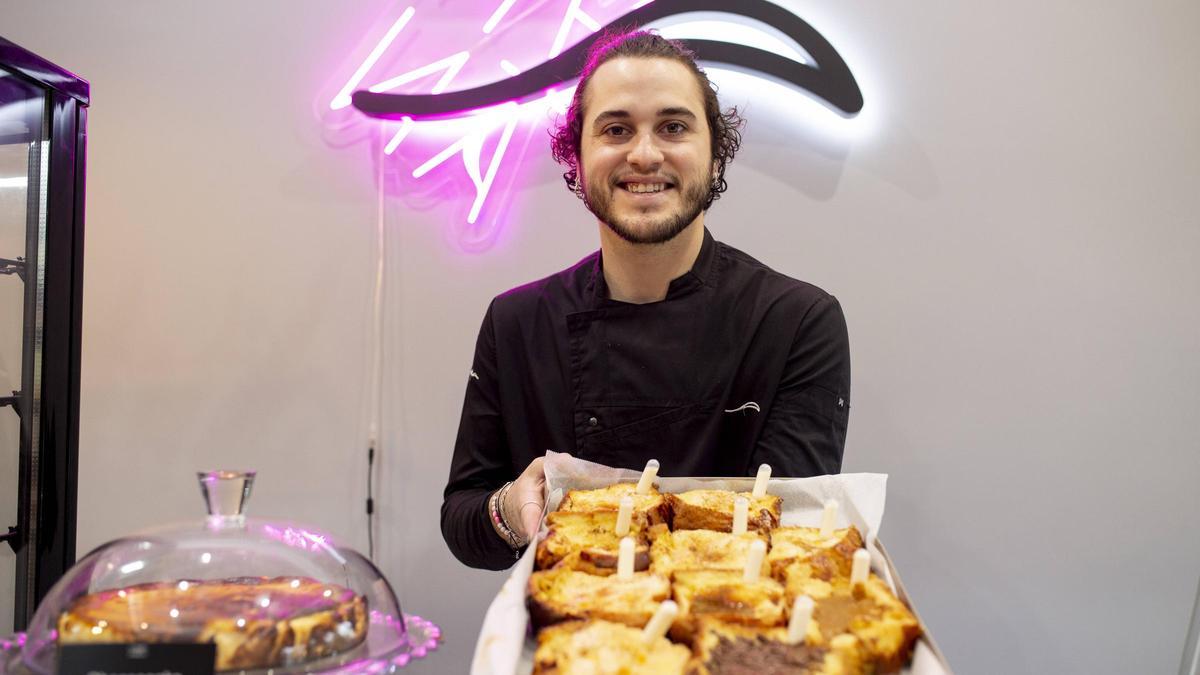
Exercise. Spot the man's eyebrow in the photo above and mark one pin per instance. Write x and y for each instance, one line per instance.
(609, 115)
(676, 112)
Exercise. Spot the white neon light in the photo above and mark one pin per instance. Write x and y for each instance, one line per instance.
(574, 14)
(508, 67)
(343, 97)
(452, 64)
(406, 124)
(14, 182)
(497, 15)
(729, 31)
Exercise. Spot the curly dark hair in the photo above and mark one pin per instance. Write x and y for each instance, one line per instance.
(724, 127)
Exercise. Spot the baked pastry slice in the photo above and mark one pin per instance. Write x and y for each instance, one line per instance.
(653, 503)
(562, 594)
(713, 510)
(701, 550)
(885, 628)
(588, 541)
(602, 648)
(302, 619)
(729, 649)
(725, 595)
(829, 556)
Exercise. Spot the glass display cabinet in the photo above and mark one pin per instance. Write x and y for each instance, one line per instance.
(43, 119)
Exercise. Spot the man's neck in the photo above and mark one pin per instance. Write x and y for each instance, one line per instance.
(642, 273)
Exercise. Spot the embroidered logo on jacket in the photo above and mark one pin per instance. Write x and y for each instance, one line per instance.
(748, 405)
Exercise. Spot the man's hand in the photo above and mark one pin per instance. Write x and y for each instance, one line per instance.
(524, 502)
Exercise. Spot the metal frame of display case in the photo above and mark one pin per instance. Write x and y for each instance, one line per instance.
(44, 540)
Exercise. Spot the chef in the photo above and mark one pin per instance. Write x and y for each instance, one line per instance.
(663, 344)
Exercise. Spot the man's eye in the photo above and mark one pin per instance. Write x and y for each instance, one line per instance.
(674, 127)
(616, 131)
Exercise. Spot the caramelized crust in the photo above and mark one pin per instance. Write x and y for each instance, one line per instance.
(256, 622)
(599, 647)
(587, 541)
(730, 649)
(701, 550)
(828, 556)
(713, 510)
(885, 628)
(561, 594)
(653, 504)
(726, 596)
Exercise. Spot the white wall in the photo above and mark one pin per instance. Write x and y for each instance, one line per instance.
(1013, 241)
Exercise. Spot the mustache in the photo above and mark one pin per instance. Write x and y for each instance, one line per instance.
(830, 79)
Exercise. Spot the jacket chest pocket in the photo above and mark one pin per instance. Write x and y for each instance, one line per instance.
(628, 435)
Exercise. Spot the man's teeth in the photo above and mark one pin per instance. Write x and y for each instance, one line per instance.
(645, 187)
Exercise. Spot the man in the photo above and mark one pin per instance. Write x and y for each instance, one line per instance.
(664, 344)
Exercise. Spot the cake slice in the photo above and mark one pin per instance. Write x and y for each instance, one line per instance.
(885, 628)
(830, 556)
(725, 595)
(588, 541)
(603, 648)
(701, 550)
(729, 649)
(561, 594)
(653, 503)
(301, 619)
(713, 510)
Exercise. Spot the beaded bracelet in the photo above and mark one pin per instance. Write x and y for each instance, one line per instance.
(496, 509)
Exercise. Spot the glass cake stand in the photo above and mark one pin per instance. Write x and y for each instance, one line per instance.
(273, 596)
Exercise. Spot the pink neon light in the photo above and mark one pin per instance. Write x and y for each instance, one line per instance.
(343, 97)
(494, 19)
(421, 152)
(574, 14)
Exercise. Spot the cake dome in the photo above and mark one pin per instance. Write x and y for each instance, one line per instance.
(257, 595)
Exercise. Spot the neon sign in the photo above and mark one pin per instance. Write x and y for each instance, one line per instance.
(495, 96)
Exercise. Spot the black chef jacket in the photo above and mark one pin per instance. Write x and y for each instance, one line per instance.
(737, 366)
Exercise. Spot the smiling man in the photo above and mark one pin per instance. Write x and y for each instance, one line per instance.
(664, 344)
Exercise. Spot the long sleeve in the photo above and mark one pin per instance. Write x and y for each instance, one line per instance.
(481, 464)
(805, 433)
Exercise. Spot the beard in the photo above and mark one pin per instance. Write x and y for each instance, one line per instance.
(646, 228)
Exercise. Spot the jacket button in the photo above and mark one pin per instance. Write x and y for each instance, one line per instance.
(592, 421)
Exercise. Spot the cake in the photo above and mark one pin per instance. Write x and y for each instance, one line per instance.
(725, 595)
(603, 648)
(886, 629)
(829, 556)
(729, 649)
(561, 594)
(255, 622)
(653, 503)
(713, 510)
(587, 541)
(701, 550)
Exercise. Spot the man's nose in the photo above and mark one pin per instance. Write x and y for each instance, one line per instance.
(645, 154)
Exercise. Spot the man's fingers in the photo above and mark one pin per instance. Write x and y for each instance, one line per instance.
(531, 513)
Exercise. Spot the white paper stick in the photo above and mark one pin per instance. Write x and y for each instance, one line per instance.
(625, 515)
(658, 624)
(860, 568)
(802, 611)
(625, 559)
(754, 560)
(741, 509)
(829, 517)
(648, 475)
(760, 481)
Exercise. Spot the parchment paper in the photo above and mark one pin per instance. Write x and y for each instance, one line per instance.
(505, 646)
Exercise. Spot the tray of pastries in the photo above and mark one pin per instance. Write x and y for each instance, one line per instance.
(632, 577)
